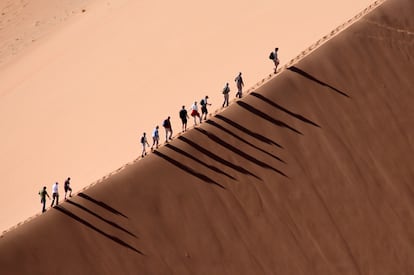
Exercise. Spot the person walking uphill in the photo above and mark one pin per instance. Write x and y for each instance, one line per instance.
(226, 91)
(274, 56)
(67, 187)
(204, 110)
(195, 113)
(144, 143)
(155, 138)
(239, 84)
(43, 194)
(183, 116)
(168, 130)
(55, 194)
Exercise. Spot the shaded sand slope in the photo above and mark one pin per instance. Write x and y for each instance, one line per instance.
(92, 82)
(309, 174)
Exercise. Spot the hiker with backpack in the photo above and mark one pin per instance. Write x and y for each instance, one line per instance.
(155, 138)
(43, 194)
(203, 104)
(226, 91)
(274, 56)
(168, 130)
(144, 144)
(195, 113)
(67, 187)
(183, 116)
(239, 84)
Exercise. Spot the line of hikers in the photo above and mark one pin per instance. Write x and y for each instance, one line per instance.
(168, 129)
(194, 110)
(55, 194)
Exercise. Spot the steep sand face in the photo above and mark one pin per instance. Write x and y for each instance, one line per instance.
(309, 174)
(75, 101)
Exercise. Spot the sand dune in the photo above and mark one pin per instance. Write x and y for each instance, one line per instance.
(309, 174)
(76, 101)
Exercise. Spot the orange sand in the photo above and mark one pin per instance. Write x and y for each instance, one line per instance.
(77, 89)
(309, 174)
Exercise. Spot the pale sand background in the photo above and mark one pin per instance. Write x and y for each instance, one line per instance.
(77, 89)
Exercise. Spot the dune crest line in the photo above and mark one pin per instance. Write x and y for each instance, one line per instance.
(293, 61)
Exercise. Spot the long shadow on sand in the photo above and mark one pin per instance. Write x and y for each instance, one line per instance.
(100, 217)
(311, 77)
(217, 158)
(101, 204)
(257, 112)
(187, 169)
(247, 131)
(277, 106)
(215, 124)
(237, 151)
(211, 167)
(82, 221)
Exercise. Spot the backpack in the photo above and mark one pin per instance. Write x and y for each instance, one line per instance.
(226, 90)
(142, 139)
(202, 102)
(272, 55)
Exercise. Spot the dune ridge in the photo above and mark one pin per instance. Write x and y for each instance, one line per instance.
(341, 116)
(261, 82)
(70, 101)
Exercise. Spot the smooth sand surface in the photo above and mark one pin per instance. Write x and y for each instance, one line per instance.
(309, 174)
(81, 80)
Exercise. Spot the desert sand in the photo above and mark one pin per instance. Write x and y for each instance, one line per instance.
(308, 174)
(75, 101)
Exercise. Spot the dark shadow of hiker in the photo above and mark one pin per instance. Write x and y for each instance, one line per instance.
(187, 169)
(238, 151)
(247, 131)
(88, 224)
(217, 158)
(277, 106)
(257, 112)
(308, 76)
(101, 204)
(100, 217)
(188, 155)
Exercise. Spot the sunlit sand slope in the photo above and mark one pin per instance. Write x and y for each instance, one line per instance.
(309, 174)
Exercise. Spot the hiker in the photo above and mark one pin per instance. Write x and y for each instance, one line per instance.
(195, 113)
(43, 194)
(168, 130)
(55, 194)
(183, 116)
(274, 56)
(239, 84)
(155, 138)
(67, 187)
(226, 91)
(203, 104)
(144, 143)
